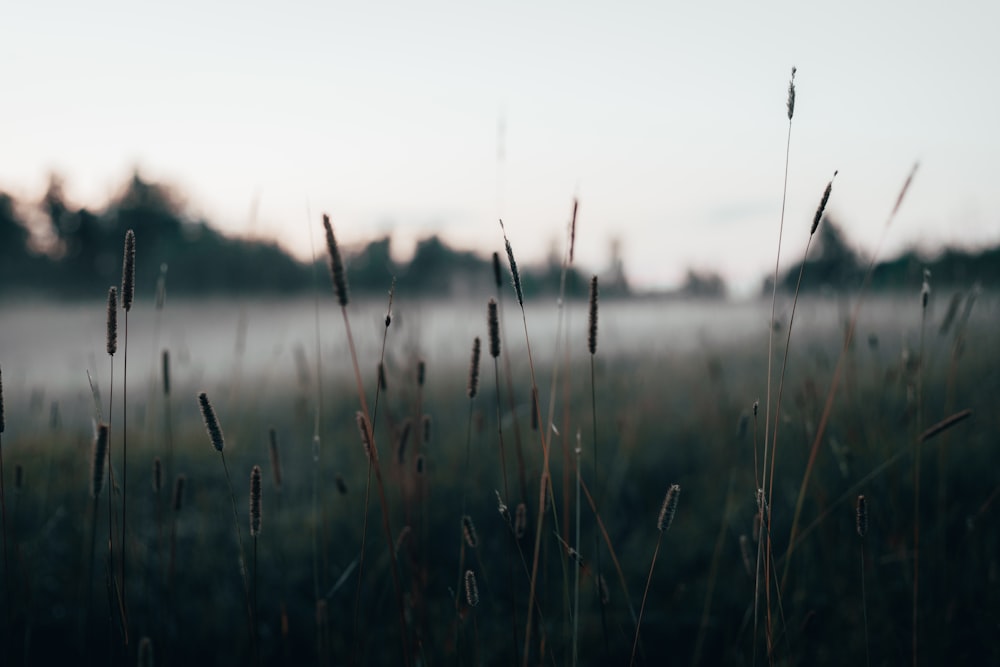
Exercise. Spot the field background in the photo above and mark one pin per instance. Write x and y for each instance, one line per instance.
(675, 385)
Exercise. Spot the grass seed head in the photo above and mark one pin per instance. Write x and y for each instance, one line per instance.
(520, 520)
(165, 358)
(791, 95)
(822, 205)
(494, 325)
(178, 500)
(112, 337)
(862, 516)
(497, 274)
(272, 437)
(255, 501)
(469, 532)
(128, 271)
(421, 372)
(211, 422)
(925, 289)
(337, 273)
(471, 588)
(474, 368)
(668, 509)
(592, 331)
(515, 275)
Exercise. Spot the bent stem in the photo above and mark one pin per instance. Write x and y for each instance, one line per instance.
(374, 464)
(645, 594)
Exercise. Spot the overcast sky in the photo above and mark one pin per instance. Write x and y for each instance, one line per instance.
(666, 119)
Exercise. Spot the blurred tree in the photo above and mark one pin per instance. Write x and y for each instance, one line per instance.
(703, 285)
(832, 262)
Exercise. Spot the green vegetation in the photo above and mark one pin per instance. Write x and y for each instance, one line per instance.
(426, 515)
(64, 253)
(660, 419)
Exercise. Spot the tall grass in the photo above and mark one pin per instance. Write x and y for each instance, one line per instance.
(3, 506)
(653, 415)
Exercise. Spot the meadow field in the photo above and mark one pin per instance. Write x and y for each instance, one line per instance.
(347, 558)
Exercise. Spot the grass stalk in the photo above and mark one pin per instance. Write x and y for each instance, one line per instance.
(925, 291)
(508, 376)
(255, 520)
(790, 104)
(127, 298)
(544, 483)
(835, 380)
(861, 518)
(769, 550)
(666, 518)
(340, 287)
(576, 578)
(218, 442)
(3, 510)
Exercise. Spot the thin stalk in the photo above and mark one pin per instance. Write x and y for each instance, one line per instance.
(576, 582)
(368, 484)
(611, 549)
(256, 621)
(374, 459)
(90, 572)
(243, 566)
(465, 485)
(317, 412)
(124, 460)
(713, 571)
(835, 381)
(3, 510)
(597, 541)
(768, 551)
(777, 261)
(111, 485)
(645, 594)
(916, 473)
(522, 476)
(506, 492)
(774, 296)
(544, 482)
(864, 607)
(852, 491)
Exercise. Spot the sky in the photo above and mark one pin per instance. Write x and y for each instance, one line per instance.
(667, 120)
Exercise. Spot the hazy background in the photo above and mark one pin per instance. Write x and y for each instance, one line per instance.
(667, 120)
